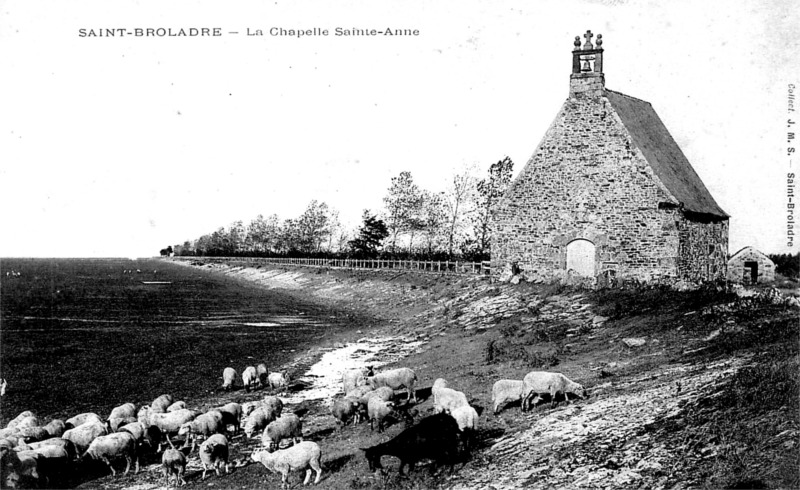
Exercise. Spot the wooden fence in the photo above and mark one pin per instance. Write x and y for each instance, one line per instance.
(429, 266)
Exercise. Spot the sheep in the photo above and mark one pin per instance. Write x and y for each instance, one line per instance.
(53, 459)
(83, 435)
(118, 444)
(126, 410)
(354, 378)
(161, 404)
(447, 400)
(249, 407)
(274, 403)
(65, 444)
(81, 419)
(287, 426)
(260, 418)
(466, 418)
(346, 408)
(115, 423)
(205, 425)
(538, 382)
(20, 469)
(278, 380)
(3, 387)
(377, 410)
(434, 437)
(33, 434)
(19, 418)
(213, 452)
(506, 391)
(143, 415)
(305, 455)
(55, 427)
(396, 379)
(360, 391)
(229, 376)
(249, 378)
(179, 405)
(231, 415)
(170, 422)
(173, 462)
(383, 393)
(263, 373)
(143, 434)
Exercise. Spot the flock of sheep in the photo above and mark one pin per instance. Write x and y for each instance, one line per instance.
(32, 454)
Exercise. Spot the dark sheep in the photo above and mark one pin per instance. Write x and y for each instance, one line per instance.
(434, 438)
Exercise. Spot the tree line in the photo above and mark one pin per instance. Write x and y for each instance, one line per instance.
(414, 223)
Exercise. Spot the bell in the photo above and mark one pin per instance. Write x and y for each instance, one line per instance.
(586, 66)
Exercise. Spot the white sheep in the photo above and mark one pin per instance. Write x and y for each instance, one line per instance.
(3, 387)
(249, 407)
(467, 419)
(448, 399)
(229, 377)
(263, 373)
(33, 434)
(383, 393)
(161, 403)
(204, 425)
(213, 452)
(143, 415)
(179, 405)
(83, 435)
(396, 379)
(377, 411)
(539, 382)
(274, 403)
(115, 423)
(67, 446)
(123, 411)
(170, 422)
(506, 391)
(303, 456)
(287, 426)
(359, 391)
(353, 378)
(278, 380)
(82, 418)
(346, 408)
(118, 444)
(260, 418)
(249, 378)
(143, 434)
(439, 383)
(19, 418)
(173, 462)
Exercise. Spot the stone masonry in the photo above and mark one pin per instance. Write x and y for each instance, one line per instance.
(589, 179)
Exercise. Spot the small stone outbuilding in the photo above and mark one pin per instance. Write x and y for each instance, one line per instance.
(749, 266)
(608, 195)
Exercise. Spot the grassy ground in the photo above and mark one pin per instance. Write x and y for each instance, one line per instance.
(739, 432)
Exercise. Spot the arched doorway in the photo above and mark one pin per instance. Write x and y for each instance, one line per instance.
(580, 257)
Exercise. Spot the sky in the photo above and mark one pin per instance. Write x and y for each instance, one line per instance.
(120, 146)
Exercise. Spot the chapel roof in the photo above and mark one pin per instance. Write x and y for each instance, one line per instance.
(663, 154)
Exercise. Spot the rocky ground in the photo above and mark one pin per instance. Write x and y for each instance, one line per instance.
(674, 379)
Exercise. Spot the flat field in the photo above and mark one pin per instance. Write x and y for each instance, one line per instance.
(81, 335)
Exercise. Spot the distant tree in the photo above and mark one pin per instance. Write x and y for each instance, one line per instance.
(402, 205)
(457, 198)
(490, 191)
(434, 216)
(313, 227)
(166, 252)
(787, 264)
(370, 236)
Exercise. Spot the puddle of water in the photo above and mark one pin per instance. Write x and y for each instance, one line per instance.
(325, 376)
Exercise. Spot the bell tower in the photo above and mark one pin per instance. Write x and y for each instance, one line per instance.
(587, 79)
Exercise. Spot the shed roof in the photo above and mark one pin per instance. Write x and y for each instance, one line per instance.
(663, 154)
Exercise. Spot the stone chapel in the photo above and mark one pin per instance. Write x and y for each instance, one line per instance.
(608, 195)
